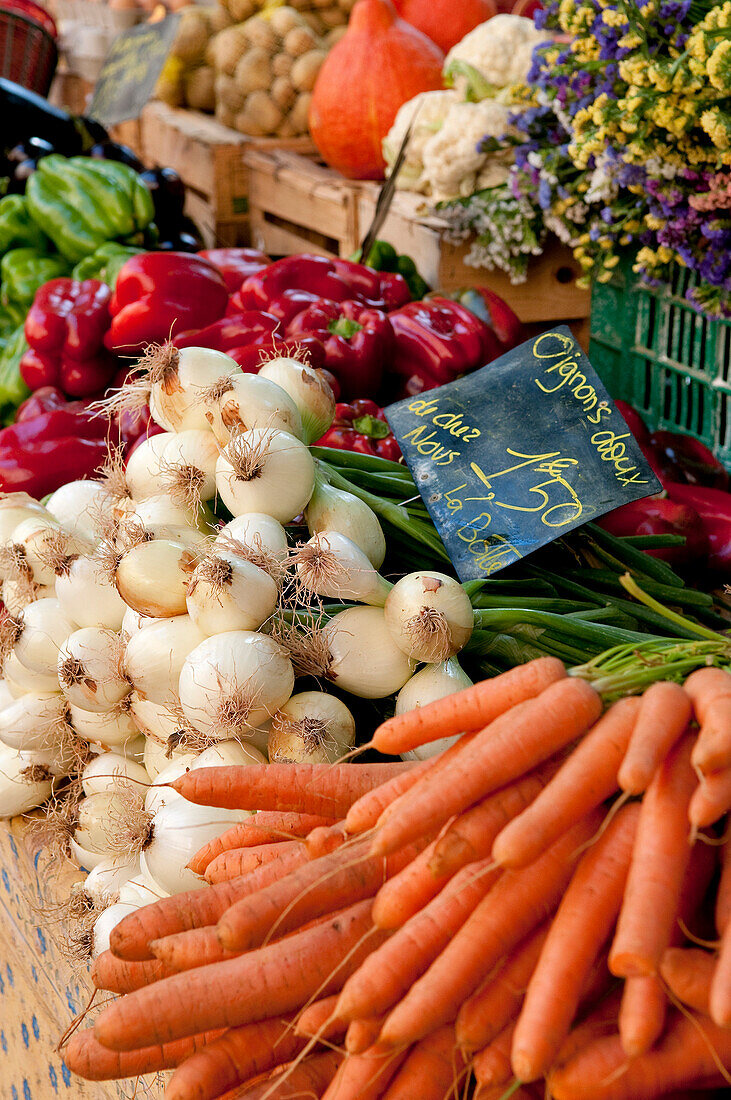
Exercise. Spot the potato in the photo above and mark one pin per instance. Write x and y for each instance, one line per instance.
(241, 9)
(333, 37)
(283, 93)
(260, 33)
(313, 21)
(282, 64)
(192, 36)
(284, 20)
(286, 130)
(253, 72)
(199, 88)
(219, 18)
(225, 117)
(261, 112)
(333, 17)
(300, 111)
(227, 47)
(306, 68)
(299, 41)
(228, 94)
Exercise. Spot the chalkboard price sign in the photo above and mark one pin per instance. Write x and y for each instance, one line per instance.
(519, 453)
(130, 71)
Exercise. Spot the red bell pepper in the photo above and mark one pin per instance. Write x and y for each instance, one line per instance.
(438, 340)
(160, 294)
(335, 280)
(361, 426)
(65, 330)
(249, 358)
(658, 516)
(358, 342)
(685, 459)
(714, 508)
(235, 331)
(236, 264)
(496, 313)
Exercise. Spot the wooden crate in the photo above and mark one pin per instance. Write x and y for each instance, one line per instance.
(41, 990)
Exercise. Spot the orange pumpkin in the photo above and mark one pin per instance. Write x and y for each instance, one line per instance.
(446, 22)
(379, 64)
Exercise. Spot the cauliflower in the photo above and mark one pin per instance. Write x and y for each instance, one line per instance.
(428, 111)
(453, 164)
(499, 51)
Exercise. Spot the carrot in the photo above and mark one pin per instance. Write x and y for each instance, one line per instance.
(236, 1056)
(181, 912)
(467, 710)
(322, 841)
(720, 998)
(386, 975)
(432, 1070)
(264, 827)
(242, 861)
(499, 1092)
(327, 789)
(583, 922)
(319, 886)
(684, 1056)
(664, 712)
(517, 903)
(601, 1021)
(471, 835)
(723, 896)
(309, 1078)
(319, 1019)
(483, 1015)
(86, 1057)
(705, 685)
(187, 950)
(711, 799)
(364, 813)
(688, 972)
(712, 750)
(365, 1076)
(117, 976)
(408, 891)
(362, 1034)
(492, 1064)
(660, 858)
(514, 744)
(273, 980)
(586, 779)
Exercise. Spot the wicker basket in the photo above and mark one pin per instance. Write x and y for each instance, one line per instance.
(28, 51)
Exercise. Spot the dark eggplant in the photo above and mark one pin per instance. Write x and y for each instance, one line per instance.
(31, 149)
(23, 112)
(112, 150)
(185, 237)
(168, 195)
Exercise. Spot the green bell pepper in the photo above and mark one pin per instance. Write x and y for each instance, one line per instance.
(23, 270)
(17, 228)
(105, 263)
(11, 315)
(13, 389)
(82, 203)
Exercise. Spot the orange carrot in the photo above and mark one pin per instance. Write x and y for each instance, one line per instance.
(309, 1078)
(720, 998)
(242, 861)
(586, 779)
(273, 980)
(319, 1019)
(517, 903)
(723, 896)
(711, 799)
(703, 686)
(327, 789)
(688, 972)
(195, 909)
(117, 976)
(362, 1034)
(664, 712)
(483, 1015)
(513, 745)
(492, 1063)
(685, 1056)
(583, 922)
(407, 892)
(322, 841)
(187, 950)
(471, 835)
(712, 750)
(432, 1071)
(364, 813)
(601, 1021)
(365, 1076)
(87, 1058)
(238, 1055)
(499, 1092)
(467, 710)
(386, 975)
(659, 862)
(264, 827)
(317, 887)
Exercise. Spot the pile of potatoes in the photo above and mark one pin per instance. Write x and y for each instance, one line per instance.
(187, 79)
(321, 15)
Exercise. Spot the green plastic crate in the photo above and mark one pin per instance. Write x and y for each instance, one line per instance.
(653, 350)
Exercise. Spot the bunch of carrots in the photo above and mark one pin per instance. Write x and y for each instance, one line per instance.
(546, 905)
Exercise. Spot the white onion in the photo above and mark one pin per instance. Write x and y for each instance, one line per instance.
(177, 381)
(134, 621)
(265, 471)
(6, 695)
(227, 592)
(23, 786)
(111, 772)
(103, 882)
(226, 753)
(311, 728)
(141, 889)
(155, 656)
(106, 922)
(258, 532)
(242, 401)
(173, 462)
(45, 628)
(162, 793)
(17, 594)
(429, 615)
(430, 683)
(332, 509)
(80, 507)
(331, 565)
(101, 816)
(233, 682)
(179, 830)
(35, 721)
(158, 755)
(87, 595)
(84, 858)
(14, 508)
(308, 389)
(46, 546)
(152, 577)
(160, 512)
(90, 669)
(112, 728)
(365, 659)
(20, 680)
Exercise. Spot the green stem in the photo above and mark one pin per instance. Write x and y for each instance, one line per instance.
(699, 631)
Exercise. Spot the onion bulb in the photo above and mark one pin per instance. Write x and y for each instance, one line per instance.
(35, 721)
(107, 921)
(103, 883)
(24, 784)
(44, 629)
(111, 728)
(81, 508)
(133, 621)
(235, 403)
(90, 669)
(425, 686)
(111, 772)
(258, 533)
(111, 822)
(43, 546)
(311, 728)
(140, 889)
(308, 389)
(177, 378)
(331, 565)
(332, 509)
(159, 754)
(152, 577)
(19, 680)
(429, 615)
(227, 592)
(6, 695)
(159, 513)
(181, 464)
(155, 656)
(364, 658)
(233, 682)
(227, 753)
(87, 595)
(265, 470)
(178, 830)
(14, 508)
